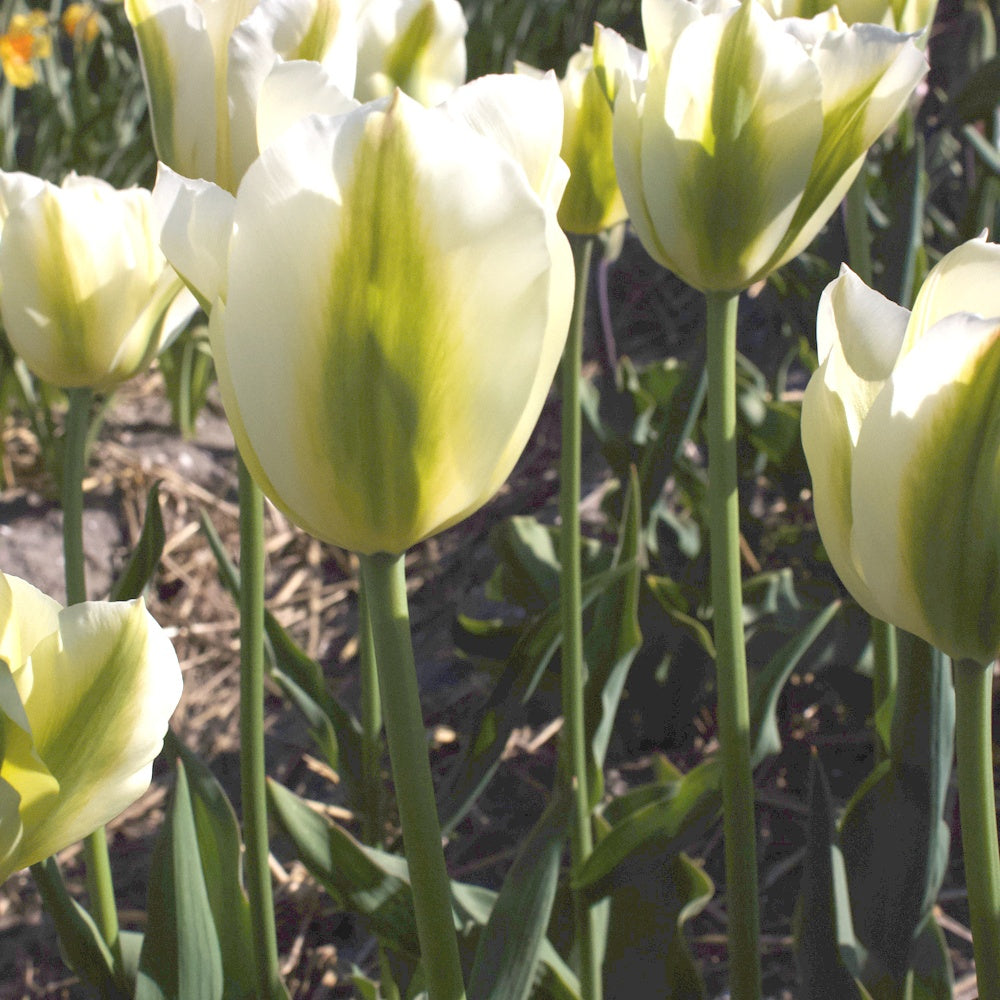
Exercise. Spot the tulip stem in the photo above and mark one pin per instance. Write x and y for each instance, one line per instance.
(730, 662)
(384, 580)
(100, 887)
(885, 672)
(582, 839)
(977, 807)
(859, 251)
(252, 772)
(371, 726)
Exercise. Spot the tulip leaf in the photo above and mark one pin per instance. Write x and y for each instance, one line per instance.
(528, 570)
(611, 643)
(221, 853)
(980, 94)
(181, 956)
(893, 833)
(508, 949)
(80, 942)
(825, 946)
(764, 736)
(646, 943)
(681, 812)
(504, 709)
(308, 687)
(142, 562)
(375, 885)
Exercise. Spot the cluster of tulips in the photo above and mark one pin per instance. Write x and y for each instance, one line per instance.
(382, 252)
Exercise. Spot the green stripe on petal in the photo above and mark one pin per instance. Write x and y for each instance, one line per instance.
(102, 691)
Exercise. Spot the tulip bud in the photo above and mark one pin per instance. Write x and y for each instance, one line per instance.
(85, 696)
(901, 429)
(411, 266)
(593, 201)
(742, 136)
(88, 298)
(416, 45)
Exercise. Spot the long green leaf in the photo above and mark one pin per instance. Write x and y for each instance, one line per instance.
(142, 562)
(180, 956)
(509, 946)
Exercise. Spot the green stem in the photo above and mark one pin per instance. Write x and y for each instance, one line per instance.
(885, 672)
(731, 671)
(252, 773)
(100, 887)
(977, 807)
(384, 580)
(582, 839)
(371, 726)
(858, 236)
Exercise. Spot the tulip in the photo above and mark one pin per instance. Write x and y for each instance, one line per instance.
(742, 135)
(912, 16)
(88, 299)
(206, 62)
(416, 45)
(899, 425)
(85, 696)
(409, 263)
(593, 201)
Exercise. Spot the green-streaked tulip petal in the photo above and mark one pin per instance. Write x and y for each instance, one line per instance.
(183, 49)
(927, 476)
(414, 262)
(859, 333)
(524, 117)
(592, 201)
(87, 285)
(663, 21)
(195, 221)
(964, 280)
(26, 617)
(11, 827)
(293, 90)
(320, 31)
(25, 781)
(98, 693)
(416, 45)
(868, 75)
(729, 137)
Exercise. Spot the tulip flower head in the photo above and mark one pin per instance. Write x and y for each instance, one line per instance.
(206, 64)
(26, 40)
(409, 265)
(901, 429)
(742, 133)
(86, 295)
(593, 201)
(912, 16)
(416, 45)
(85, 696)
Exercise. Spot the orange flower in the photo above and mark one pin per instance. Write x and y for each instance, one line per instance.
(26, 40)
(81, 23)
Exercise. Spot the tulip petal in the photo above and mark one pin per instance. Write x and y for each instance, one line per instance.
(99, 693)
(293, 90)
(11, 828)
(926, 479)
(965, 280)
(428, 272)
(195, 220)
(859, 333)
(868, 74)
(26, 617)
(738, 110)
(523, 116)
